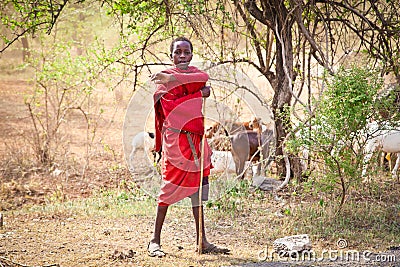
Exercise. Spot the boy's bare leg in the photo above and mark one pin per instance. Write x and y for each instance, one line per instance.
(206, 246)
(196, 215)
(154, 247)
(160, 217)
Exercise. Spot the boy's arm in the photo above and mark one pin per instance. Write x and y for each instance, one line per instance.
(191, 77)
(176, 102)
(192, 81)
(164, 77)
(204, 91)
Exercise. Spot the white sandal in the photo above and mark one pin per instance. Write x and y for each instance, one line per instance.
(155, 250)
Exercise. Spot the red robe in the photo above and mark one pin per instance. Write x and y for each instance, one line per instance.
(178, 106)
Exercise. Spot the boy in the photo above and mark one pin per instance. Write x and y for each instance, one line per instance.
(179, 127)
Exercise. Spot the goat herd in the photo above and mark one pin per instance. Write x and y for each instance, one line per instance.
(239, 146)
(233, 145)
(382, 137)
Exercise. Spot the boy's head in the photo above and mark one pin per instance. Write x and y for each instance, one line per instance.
(181, 52)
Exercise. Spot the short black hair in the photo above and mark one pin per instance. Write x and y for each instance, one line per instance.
(183, 39)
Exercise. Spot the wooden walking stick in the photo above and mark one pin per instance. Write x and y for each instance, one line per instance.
(203, 140)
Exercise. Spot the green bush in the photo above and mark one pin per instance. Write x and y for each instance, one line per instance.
(334, 132)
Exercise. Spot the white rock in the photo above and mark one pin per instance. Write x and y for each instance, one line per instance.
(292, 244)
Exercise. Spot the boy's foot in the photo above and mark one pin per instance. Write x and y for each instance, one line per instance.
(213, 249)
(155, 250)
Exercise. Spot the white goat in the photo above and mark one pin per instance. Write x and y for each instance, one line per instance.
(141, 141)
(222, 161)
(385, 138)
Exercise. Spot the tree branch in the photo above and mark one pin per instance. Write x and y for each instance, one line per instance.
(268, 74)
(259, 15)
(299, 20)
(250, 28)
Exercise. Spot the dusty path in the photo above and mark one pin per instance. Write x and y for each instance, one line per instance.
(37, 239)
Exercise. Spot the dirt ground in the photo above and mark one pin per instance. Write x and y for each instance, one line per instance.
(51, 235)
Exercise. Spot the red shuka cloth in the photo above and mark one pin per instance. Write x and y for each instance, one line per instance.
(178, 105)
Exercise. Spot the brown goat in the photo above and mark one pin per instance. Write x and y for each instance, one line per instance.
(226, 128)
(245, 146)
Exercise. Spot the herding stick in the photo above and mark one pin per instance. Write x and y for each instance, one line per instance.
(200, 241)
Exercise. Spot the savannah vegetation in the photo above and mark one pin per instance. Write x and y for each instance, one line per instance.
(323, 64)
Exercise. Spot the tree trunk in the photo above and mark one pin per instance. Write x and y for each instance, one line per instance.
(274, 15)
(282, 97)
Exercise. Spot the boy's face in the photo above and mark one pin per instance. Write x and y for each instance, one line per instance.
(181, 54)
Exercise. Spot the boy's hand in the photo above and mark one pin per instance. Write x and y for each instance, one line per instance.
(162, 78)
(205, 91)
